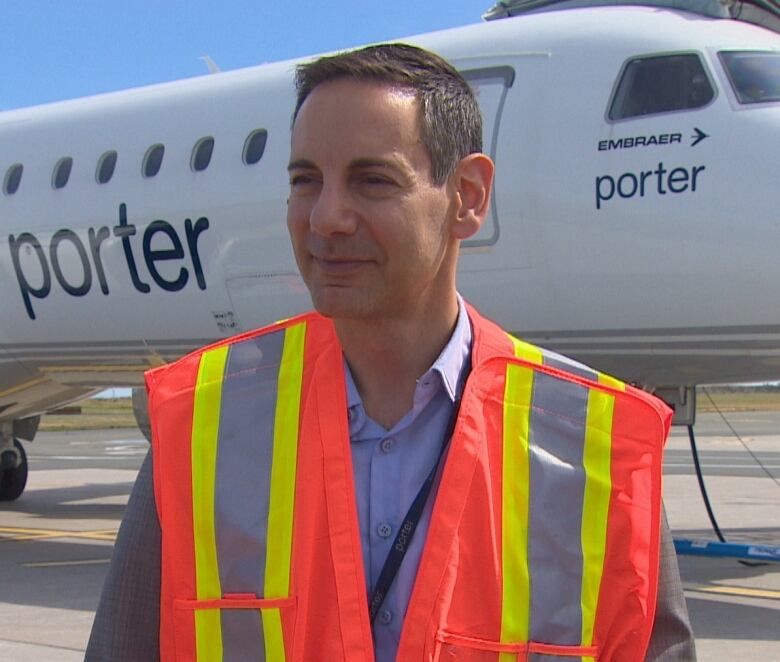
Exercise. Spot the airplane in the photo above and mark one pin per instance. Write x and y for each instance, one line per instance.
(634, 225)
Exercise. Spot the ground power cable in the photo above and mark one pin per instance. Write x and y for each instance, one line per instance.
(700, 475)
(702, 486)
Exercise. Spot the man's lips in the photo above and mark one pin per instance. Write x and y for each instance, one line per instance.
(338, 265)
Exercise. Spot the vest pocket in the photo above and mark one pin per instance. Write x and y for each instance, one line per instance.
(452, 647)
(233, 627)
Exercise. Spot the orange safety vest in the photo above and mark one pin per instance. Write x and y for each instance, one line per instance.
(543, 541)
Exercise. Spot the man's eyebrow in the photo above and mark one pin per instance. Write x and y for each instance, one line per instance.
(301, 164)
(375, 163)
(355, 164)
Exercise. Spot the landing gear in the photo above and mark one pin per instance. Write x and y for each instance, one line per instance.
(13, 472)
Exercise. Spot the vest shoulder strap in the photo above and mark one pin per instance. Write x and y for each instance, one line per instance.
(490, 340)
(170, 371)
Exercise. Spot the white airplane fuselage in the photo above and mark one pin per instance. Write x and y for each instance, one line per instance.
(635, 245)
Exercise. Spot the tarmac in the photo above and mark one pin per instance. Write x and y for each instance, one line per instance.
(56, 539)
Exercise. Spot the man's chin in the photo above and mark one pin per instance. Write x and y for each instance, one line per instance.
(342, 303)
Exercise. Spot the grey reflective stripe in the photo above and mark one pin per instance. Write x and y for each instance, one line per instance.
(242, 635)
(556, 489)
(567, 365)
(539, 657)
(242, 485)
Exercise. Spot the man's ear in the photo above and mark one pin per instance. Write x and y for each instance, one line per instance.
(472, 181)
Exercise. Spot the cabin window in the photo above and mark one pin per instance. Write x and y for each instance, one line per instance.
(105, 167)
(254, 146)
(61, 173)
(754, 75)
(13, 177)
(153, 160)
(201, 154)
(661, 84)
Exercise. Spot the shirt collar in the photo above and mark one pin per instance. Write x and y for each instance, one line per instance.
(447, 368)
(453, 357)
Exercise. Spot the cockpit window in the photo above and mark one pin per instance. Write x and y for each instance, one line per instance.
(661, 84)
(754, 75)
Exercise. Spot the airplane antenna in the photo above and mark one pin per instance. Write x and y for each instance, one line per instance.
(210, 64)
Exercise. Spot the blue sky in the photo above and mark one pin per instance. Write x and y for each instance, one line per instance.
(63, 49)
(57, 49)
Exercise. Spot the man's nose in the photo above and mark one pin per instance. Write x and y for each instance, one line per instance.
(333, 212)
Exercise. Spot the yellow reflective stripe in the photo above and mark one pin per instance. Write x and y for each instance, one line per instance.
(282, 499)
(272, 634)
(516, 598)
(526, 351)
(285, 454)
(608, 380)
(596, 461)
(205, 427)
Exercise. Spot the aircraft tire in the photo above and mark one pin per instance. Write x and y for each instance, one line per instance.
(13, 481)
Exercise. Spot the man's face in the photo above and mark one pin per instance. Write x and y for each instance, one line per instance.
(370, 230)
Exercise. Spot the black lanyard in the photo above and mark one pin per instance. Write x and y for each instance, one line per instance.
(404, 536)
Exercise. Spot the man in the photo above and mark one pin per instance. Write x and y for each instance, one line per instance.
(395, 427)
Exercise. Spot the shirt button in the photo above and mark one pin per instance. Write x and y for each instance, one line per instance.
(384, 530)
(385, 617)
(351, 414)
(387, 445)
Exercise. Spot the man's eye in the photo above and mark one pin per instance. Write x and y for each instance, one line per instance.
(376, 180)
(300, 180)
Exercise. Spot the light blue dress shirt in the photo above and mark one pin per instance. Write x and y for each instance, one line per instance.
(390, 466)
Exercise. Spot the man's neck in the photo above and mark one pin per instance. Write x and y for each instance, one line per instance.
(387, 357)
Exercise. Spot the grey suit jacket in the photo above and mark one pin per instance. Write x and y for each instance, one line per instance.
(127, 622)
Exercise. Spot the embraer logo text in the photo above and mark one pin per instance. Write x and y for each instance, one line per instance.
(639, 141)
(68, 241)
(647, 182)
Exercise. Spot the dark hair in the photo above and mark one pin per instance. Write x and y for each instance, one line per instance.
(450, 120)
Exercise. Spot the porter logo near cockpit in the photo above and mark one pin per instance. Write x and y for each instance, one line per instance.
(660, 181)
(67, 240)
